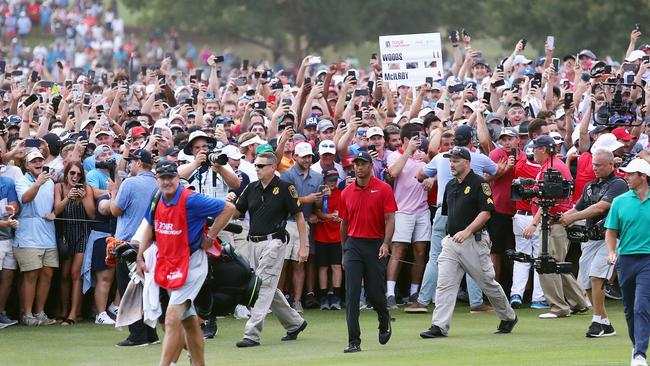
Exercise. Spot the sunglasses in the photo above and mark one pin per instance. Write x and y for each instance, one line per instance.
(261, 166)
(74, 174)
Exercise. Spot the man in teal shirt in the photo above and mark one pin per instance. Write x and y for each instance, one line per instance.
(628, 219)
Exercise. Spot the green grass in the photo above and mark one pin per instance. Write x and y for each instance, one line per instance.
(471, 342)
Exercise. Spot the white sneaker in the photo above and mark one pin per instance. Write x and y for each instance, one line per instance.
(112, 311)
(103, 318)
(241, 312)
(639, 361)
(43, 319)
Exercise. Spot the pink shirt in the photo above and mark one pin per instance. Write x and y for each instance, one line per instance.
(409, 193)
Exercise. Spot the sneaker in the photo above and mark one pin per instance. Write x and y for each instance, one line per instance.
(515, 301)
(391, 303)
(335, 302)
(506, 326)
(324, 303)
(537, 305)
(311, 302)
(553, 315)
(5, 321)
(210, 329)
(129, 343)
(433, 332)
(609, 330)
(597, 330)
(352, 348)
(613, 291)
(292, 336)
(297, 306)
(416, 307)
(112, 311)
(241, 312)
(44, 320)
(639, 360)
(103, 319)
(30, 321)
(362, 304)
(483, 308)
(413, 298)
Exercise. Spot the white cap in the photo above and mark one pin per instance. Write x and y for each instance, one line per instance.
(327, 147)
(470, 105)
(232, 152)
(417, 121)
(255, 140)
(575, 136)
(85, 123)
(608, 142)
(33, 155)
(303, 149)
(559, 113)
(375, 131)
(557, 137)
(637, 165)
(398, 117)
(521, 60)
(424, 112)
(635, 55)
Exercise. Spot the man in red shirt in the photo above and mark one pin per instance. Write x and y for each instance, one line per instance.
(368, 212)
(562, 291)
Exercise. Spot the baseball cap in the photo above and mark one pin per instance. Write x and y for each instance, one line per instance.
(254, 140)
(330, 172)
(363, 155)
(417, 121)
(493, 117)
(138, 130)
(544, 141)
(303, 149)
(195, 135)
(622, 134)
(508, 132)
(375, 131)
(463, 135)
(557, 137)
(587, 53)
(347, 161)
(87, 122)
(232, 152)
(644, 46)
(326, 147)
(637, 165)
(33, 155)
(635, 55)
(166, 168)
(171, 151)
(324, 124)
(264, 148)
(608, 142)
(458, 152)
(142, 155)
(311, 122)
(523, 128)
(104, 132)
(424, 111)
(101, 149)
(521, 60)
(568, 57)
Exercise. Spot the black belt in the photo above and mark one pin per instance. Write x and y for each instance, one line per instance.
(525, 213)
(259, 238)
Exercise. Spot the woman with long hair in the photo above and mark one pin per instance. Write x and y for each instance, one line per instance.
(74, 203)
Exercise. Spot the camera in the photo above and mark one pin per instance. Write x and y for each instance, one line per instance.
(544, 264)
(554, 186)
(106, 164)
(216, 157)
(619, 110)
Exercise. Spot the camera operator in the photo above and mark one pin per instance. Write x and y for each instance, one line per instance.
(562, 291)
(593, 206)
(103, 172)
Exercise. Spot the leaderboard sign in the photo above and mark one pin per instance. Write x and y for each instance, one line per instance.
(409, 59)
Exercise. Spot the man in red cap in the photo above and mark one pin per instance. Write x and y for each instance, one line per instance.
(625, 137)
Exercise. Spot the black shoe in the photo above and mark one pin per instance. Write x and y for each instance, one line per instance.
(433, 332)
(352, 348)
(597, 330)
(384, 335)
(506, 326)
(210, 328)
(613, 291)
(129, 343)
(245, 342)
(579, 311)
(292, 336)
(310, 301)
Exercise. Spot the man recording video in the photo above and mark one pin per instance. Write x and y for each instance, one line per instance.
(593, 206)
(561, 290)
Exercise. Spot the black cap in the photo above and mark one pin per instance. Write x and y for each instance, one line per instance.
(463, 135)
(54, 143)
(330, 172)
(523, 128)
(544, 141)
(142, 155)
(458, 152)
(166, 168)
(171, 151)
(132, 123)
(363, 155)
(598, 129)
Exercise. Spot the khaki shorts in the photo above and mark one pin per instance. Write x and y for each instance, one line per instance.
(7, 259)
(294, 240)
(30, 259)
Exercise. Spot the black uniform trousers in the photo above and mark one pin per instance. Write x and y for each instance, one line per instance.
(362, 263)
(138, 331)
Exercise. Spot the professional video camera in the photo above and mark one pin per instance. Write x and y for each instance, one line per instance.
(554, 186)
(542, 264)
(106, 164)
(215, 156)
(617, 110)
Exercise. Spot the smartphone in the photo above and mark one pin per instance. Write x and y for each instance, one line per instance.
(161, 80)
(259, 105)
(372, 148)
(361, 93)
(218, 59)
(160, 96)
(30, 100)
(464, 32)
(33, 77)
(157, 130)
(32, 143)
(440, 105)
(307, 80)
(286, 101)
(637, 27)
(537, 80)
(199, 73)
(250, 92)
(513, 152)
(550, 42)
(352, 73)
(630, 67)
(17, 73)
(46, 169)
(646, 59)
(568, 99)
(86, 99)
(322, 188)
(276, 86)
(341, 123)
(524, 42)
(364, 105)
(3, 65)
(629, 79)
(55, 103)
(556, 63)
(453, 36)
(83, 134)
(78, 186)
(457, 88)
(608, 68)
(359, 114)
(91, 76)
(245, 64)
(133, 113)
(486, 97)
(189, 101)
(99, 109)
(499, 83)
(314, 60)
(429, 81)
(415, 135)
(240, 81)
(219, 73)
(47, 83)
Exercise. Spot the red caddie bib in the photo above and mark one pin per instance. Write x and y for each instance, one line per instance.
(173, 258)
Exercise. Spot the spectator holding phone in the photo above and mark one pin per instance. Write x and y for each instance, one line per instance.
(8, 208)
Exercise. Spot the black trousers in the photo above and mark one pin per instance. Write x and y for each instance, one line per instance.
(362, 263)
(138, 331)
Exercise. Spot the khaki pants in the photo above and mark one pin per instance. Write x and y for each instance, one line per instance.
(562, 291)
(267, 260)
(473, 258)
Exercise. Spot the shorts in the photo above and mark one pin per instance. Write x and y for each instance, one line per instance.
(197, 271)
(593, 262)
(31, 259)
(501, 233)
(328, 254)
(293, 245)
(411, 228)
(7, 258)
(99, 256)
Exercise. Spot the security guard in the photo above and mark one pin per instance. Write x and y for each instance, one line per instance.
(593, 206)
(269, 201)
(466, 248)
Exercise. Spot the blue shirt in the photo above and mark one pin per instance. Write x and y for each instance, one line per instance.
(306, 184)
(133, 198)
(439, 166)
(34, 231)
(629, 216)
(98, 179)
(7, 195)
(89, 162)
(199, 208)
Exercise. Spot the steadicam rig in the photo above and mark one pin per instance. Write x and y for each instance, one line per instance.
(618, 109)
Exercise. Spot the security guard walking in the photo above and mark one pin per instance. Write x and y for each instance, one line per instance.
(466, 248)
(269, 201)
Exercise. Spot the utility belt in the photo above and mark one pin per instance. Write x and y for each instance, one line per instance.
(282, 235)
